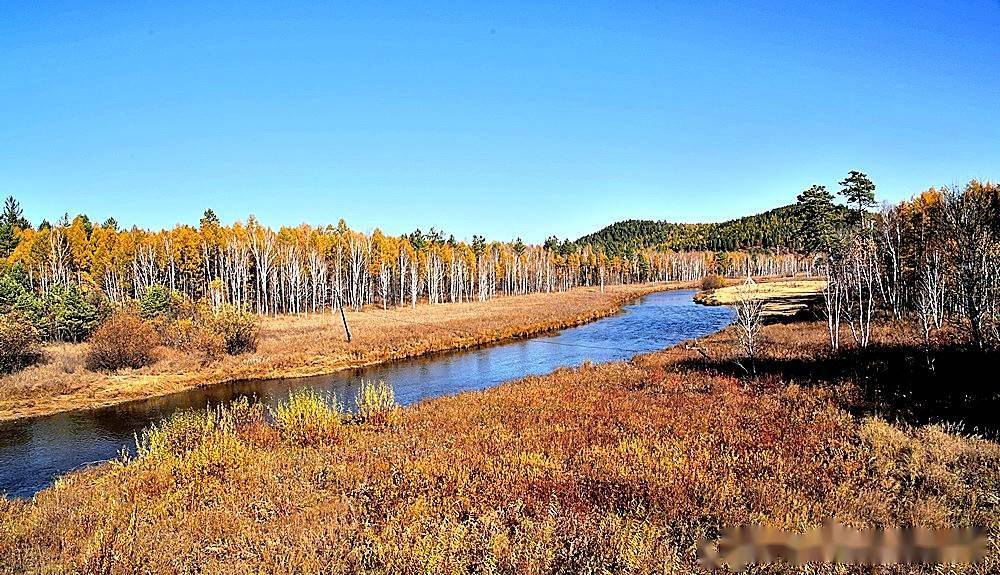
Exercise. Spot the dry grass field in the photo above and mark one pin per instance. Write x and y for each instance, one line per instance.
(781, 297)
(615, 468)
(292, 346)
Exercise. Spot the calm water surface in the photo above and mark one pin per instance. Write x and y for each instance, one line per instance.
(34, 452)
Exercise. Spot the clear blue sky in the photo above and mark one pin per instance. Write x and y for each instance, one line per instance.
(506, 119)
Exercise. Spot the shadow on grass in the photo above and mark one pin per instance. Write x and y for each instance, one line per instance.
(946, 384)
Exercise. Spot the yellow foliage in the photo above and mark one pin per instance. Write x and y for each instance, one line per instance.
(308, 418)
(376, 403)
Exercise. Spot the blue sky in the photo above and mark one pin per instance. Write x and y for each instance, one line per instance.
(503, 119)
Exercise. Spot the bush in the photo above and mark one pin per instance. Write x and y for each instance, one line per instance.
(70, 313)
(239, 330)
(123, 340)
(207, 341)
(160, 303)
(377, 403)
(712, 281)
(185, 431)
(307, 418)
(190, 335)
(155, 302)
(177, 333)
(19, 343)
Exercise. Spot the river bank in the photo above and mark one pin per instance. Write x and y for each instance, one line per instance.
(301, 346)
(36, 451)
(782, 297)
(619, 466)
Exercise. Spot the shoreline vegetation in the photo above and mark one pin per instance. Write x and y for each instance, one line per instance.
(301, 346)
(617, 467)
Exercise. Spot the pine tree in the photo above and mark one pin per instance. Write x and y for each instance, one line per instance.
(816, 215)
(11, 220)
(858, 190)
(8, 240)
(209, 219)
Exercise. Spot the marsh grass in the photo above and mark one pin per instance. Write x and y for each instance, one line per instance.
(307, 345)
(185, 430)
(376, 402)
(611, 468)
(308, 418)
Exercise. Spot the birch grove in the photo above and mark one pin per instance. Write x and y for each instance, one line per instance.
(935, 258)
(308, 269)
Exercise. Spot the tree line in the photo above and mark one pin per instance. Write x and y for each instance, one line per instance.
(80, 266)
(934, 258)
(775, 230)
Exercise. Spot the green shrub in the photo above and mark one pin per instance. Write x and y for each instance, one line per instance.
(12, 289)
(19, 343)
(158, 302)
(69, 313)
(377, 405)
(239, 330)
(307, 418)
(123, 340)
(155, 302)
(712, 281)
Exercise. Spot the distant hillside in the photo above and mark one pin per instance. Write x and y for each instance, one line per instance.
(772, 229)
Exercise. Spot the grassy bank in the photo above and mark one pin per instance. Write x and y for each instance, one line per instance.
(615, 468)
(782, 297)
(294, 346)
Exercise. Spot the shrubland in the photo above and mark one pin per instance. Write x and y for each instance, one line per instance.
(612, 468)
(711, 282)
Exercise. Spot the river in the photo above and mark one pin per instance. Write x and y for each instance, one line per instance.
(33, 452)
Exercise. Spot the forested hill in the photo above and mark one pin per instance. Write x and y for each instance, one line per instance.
(772, 229)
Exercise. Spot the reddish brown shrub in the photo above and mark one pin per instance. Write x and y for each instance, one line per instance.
(123, 340)
(19, 343)
(239, 330)
(712, 281)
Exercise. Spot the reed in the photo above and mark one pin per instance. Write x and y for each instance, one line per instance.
(308, 418)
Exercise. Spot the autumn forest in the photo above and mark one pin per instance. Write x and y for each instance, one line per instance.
(309, 269)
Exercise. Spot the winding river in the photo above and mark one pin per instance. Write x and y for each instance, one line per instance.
(34, 452)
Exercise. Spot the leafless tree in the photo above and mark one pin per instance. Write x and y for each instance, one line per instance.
(860, 283)
(930, 297)
(973, 252)
(833, 297)
(890, 244)
(749, 314)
